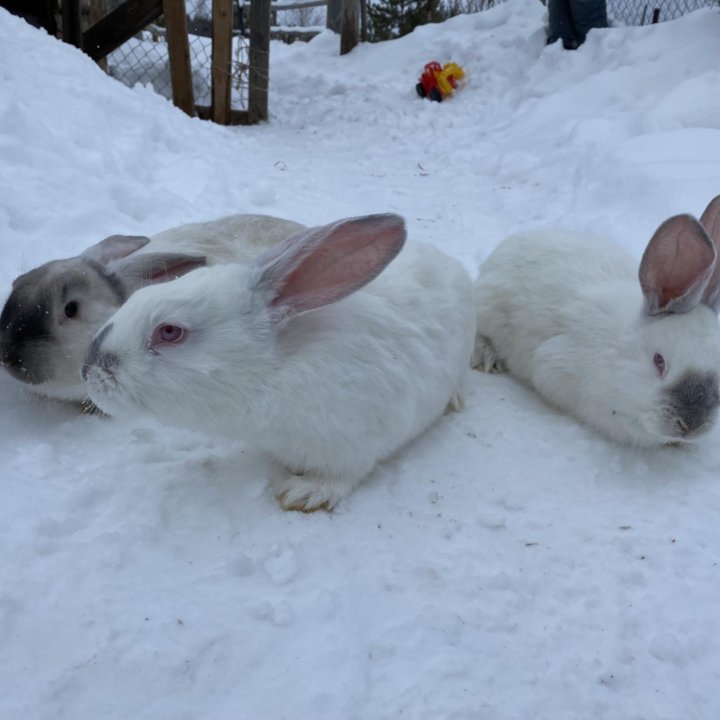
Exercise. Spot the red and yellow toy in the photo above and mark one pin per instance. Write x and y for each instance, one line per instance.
(438, 82)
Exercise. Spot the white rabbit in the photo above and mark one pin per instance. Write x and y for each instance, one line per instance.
(637, 361)
(54, 310)
(307, 352)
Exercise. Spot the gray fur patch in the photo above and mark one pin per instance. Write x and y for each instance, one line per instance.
(95, 355)
(26, 330)
(114, 282)
(694, 399)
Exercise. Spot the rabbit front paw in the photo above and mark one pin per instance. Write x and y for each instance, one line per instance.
(308, 493)
(485, 358)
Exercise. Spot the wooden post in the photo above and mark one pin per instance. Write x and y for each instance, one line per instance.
(49, 19)
(222, 13)
(363, 21)
(656, 16)
(93, 11)
(179, 55)
(349, 24)
(71, 23)
(333, 15)
(259, 60)
(39, 13)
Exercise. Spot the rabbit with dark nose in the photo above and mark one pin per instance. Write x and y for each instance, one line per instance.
(635, 356)
(328, 352)
(54, 310)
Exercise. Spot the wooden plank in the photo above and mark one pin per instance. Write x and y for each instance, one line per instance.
(290, 6)
(71, 23)
(49, 22)
(176, 35)
(119, 26)
(363, 21)
(334, 12)
(92, 12)
(349, 25)
(222, 13)
(237, 117)
(290, 35)
(259, 76)
(39, 13)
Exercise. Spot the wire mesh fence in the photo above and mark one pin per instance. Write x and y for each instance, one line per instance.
(621, 12)
(644, 12)
(144, 58)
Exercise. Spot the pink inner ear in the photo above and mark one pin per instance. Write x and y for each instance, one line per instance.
(711, 222)
(711, 219)
(327, 264)
(676, 266)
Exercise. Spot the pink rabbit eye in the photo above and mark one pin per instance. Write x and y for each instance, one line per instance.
(168, 335)
(659, 362)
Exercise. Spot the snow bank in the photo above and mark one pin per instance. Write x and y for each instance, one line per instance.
(509, 564)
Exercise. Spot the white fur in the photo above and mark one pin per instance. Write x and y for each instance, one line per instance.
(235, 238)
(229, 239)
(327, 393)
(565, 315)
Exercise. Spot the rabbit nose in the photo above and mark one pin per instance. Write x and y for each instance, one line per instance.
(104, 361)
(683, 427)
(691, 419)
(8, 356)
(95, 357)
(694, 400)
(22, 366)
(12, 361)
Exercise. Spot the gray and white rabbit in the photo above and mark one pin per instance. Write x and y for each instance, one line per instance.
(321, 352)
(637, 361)
(54, 310)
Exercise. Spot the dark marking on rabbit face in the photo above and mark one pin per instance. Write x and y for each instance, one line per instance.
(43, 321)
(95, 357)
(114, 283)
(691, 404)
(26, 327)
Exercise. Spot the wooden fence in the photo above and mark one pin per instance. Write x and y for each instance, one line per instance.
(110, 30)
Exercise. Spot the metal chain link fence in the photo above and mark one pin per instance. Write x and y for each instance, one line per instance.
(620, 12)
(644, 12)
(144, 58)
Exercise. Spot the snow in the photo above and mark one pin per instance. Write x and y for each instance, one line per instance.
(509, 564)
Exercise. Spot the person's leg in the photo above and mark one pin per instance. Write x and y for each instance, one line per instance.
(587, 14)
(560, 23)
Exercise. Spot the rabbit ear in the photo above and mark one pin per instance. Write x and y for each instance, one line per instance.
(136, 271)
(677, 265)
(114, 248)
(323, 265)
(711, 222)
(711, 219)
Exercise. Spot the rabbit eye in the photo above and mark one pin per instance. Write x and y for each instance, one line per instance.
(71, 309)
(659, 362)
(168, 335)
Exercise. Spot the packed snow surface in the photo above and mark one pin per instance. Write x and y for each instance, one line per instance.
(507, 565)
